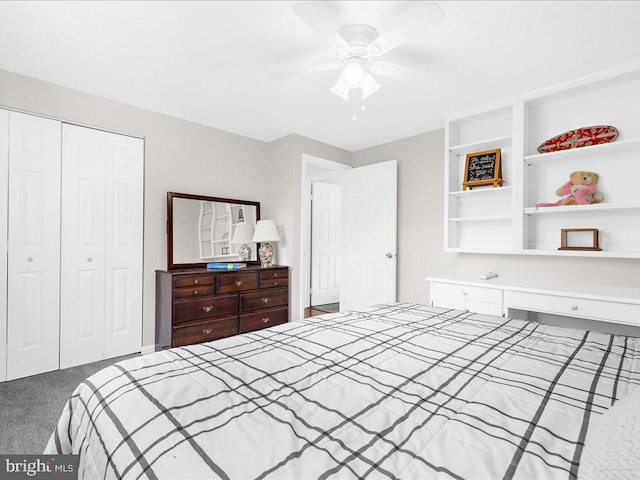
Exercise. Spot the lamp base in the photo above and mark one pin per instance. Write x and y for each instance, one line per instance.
(266, 255)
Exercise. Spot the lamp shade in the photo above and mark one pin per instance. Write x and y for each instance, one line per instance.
(266, 231)
(243, 233)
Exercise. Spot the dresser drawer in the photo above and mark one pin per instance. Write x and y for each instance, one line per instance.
(237, 282)
(263, 319)
(465, 292)
(273, 273)
(185, 310)
(194, 291)
(274, 282)
(617, 312)
(204, 331)
(264, 299)
(192, 280)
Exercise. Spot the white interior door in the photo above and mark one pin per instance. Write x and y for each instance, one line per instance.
(326, 243)
(369, 211)
(123, 245)
(4, 198)
(82, 250)
(34, 240)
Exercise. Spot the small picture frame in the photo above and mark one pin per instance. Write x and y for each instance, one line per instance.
(482, 169)
(583, 236)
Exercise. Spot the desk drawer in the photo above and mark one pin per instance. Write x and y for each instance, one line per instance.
(574, 307)
(480, 294)
(264, 299)
(204, 331)
(263, 319)
(185, 310)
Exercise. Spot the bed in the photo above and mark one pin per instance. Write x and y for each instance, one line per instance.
(397, 391)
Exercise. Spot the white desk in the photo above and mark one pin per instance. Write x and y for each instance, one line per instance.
(497, 295)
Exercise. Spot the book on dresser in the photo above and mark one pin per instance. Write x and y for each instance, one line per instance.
(197, 305)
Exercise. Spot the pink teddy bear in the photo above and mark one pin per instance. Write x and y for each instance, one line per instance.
(582, 189)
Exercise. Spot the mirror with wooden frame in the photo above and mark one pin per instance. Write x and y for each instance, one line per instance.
(200, 230)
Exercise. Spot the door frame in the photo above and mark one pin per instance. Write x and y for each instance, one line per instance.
(312, 170)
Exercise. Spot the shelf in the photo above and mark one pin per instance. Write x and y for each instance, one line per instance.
(578, 208)
(584, 152)
(480, 219)
(581, 253)
(479, 190)
(490, 144)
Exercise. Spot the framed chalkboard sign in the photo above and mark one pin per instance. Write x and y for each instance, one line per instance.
(481, 169)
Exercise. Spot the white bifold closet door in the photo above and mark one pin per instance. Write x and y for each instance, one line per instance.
(34, 245)
(101, 254)
(4, 205)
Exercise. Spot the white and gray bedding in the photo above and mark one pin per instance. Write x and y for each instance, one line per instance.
(402, 391)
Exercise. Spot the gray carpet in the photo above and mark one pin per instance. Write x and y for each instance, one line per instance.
(30, 407)
(328, 307)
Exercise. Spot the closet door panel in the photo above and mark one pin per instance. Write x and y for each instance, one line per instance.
(123, 245)
(34, 239)
(82, 252)
(4, 198)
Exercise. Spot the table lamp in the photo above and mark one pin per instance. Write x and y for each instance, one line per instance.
(243, 234)
(265, 233)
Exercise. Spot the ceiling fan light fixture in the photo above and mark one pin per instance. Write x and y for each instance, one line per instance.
(341, 89)
(353, 73)
(369, 86)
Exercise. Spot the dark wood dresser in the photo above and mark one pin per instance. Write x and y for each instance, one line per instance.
(198, 305)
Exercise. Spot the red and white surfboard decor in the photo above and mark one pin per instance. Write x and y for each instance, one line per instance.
(582, 137)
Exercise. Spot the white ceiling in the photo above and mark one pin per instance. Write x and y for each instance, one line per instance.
(210, 62)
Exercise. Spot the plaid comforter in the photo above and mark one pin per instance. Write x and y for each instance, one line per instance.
(400, 391)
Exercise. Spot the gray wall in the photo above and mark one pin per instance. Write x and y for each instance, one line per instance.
(421, 238)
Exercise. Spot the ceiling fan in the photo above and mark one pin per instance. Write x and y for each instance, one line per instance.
(358, 47)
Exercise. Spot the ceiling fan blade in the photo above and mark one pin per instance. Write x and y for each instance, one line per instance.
(295, 72)
(424, 19)
(396, 70)
(312, 17)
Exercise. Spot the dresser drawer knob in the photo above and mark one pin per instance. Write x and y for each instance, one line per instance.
(196, 281)
(238, 283)
(196, 292)
(207, 308)
(265, 300)
(573, 307)
(207, 331)
(265, 320)
(275, 283)
(464, 292)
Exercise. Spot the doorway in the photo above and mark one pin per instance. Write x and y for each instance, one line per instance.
(321, 246)
(368, 229)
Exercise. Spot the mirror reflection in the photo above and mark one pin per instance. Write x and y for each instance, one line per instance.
(208, 229)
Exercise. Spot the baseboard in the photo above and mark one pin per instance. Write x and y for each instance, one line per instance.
(146, 349)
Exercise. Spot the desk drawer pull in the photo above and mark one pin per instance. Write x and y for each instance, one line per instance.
(208, 308)
(265, 320)
(238, 283)
(207, 331)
